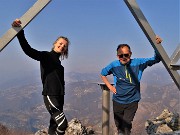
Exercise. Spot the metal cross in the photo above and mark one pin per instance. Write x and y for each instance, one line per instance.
(170, 64)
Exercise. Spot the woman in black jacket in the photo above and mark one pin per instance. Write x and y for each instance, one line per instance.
(52, 76)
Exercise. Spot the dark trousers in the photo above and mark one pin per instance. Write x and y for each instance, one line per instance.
(123, 116)
(58, 121)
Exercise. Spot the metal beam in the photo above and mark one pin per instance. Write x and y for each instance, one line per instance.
(146, 28)
(25, 19)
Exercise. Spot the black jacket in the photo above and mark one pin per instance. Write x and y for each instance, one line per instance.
(52, 72)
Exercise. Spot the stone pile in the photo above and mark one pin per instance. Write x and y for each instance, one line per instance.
(74, 128)
(167, 123)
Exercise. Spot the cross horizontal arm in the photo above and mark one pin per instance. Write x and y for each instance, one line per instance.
(25, 19)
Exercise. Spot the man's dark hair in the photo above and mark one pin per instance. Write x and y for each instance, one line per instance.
(123, 45)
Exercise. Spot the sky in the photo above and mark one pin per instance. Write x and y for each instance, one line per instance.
(94, 28)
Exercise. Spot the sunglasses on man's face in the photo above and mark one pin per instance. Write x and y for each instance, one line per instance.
(124, 55)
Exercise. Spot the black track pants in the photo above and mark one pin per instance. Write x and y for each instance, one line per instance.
(58, 121)
(123, 116)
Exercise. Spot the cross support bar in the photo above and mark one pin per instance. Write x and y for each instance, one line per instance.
(25, 19)
(174, 59)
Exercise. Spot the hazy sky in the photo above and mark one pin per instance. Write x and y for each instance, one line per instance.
(94, 27)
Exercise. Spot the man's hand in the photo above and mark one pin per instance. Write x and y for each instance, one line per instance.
(108, 84)
(113, 89)
(158, 39)
(16, 23)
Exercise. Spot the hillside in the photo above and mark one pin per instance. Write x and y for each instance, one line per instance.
(23, 108)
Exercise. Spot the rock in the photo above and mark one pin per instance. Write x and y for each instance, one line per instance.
(167, 123)
(76, 128)
(42, 132)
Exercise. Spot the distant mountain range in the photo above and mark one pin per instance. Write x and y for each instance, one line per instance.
(22, 106)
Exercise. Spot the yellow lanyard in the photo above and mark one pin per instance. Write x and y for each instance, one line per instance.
(127, 74)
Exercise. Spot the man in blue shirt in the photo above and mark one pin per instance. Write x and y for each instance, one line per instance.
(127, 74)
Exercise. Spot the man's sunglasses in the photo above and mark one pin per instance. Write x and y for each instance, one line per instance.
(124, 55)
